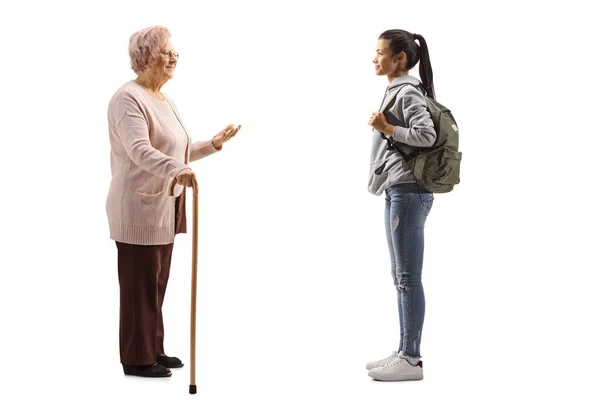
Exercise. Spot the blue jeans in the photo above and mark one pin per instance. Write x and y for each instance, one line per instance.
(406, 209)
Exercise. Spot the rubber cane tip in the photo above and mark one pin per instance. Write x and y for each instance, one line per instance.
(192, 389)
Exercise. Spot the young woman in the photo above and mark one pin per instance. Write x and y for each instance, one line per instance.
(403, 118)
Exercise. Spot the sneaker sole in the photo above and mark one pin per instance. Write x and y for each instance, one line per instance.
(399, 379)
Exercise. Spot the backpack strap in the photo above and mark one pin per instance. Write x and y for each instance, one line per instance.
(420, 86)
(391, 143)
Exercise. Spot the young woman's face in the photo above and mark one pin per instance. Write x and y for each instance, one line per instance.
(385, 64)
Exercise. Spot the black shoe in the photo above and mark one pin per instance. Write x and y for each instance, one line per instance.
(169, 362)
(147, 371)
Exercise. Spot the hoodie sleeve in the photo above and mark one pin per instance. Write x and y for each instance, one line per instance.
(419, 131)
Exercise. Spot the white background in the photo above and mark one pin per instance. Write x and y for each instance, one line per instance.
(295, 293)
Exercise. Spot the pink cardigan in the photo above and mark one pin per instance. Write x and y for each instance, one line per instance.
(138, 207)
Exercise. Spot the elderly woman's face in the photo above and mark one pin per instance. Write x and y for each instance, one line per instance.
(165, 63)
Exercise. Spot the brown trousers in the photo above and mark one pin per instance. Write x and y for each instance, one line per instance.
(143, 276)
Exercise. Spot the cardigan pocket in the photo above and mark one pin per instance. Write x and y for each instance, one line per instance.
(149, 209)
(150, 185)
(150, 194)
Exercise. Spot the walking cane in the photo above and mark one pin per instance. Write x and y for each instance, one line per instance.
(194, 279)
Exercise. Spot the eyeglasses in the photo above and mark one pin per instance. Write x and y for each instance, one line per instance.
(170, 54)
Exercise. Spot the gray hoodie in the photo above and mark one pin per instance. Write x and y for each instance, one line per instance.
(414, 128)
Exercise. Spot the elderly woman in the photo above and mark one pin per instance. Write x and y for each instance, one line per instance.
(150, 147)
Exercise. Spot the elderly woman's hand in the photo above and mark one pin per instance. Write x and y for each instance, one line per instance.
(187, 178)
(226, 134)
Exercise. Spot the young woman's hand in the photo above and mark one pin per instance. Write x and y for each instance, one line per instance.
(379, 122)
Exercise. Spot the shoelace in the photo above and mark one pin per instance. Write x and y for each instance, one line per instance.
(395, 361)
(391, 358)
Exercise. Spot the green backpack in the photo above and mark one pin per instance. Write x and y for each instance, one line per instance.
(436, 168)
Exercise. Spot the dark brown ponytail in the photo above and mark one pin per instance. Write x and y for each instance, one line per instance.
(425, 70)
(404, 41)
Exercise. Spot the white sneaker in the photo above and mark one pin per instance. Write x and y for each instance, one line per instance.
(399, 369)
(381, 363)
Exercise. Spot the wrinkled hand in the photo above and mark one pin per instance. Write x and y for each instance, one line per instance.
(379, 122)
(226, 134)
(187, 178)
